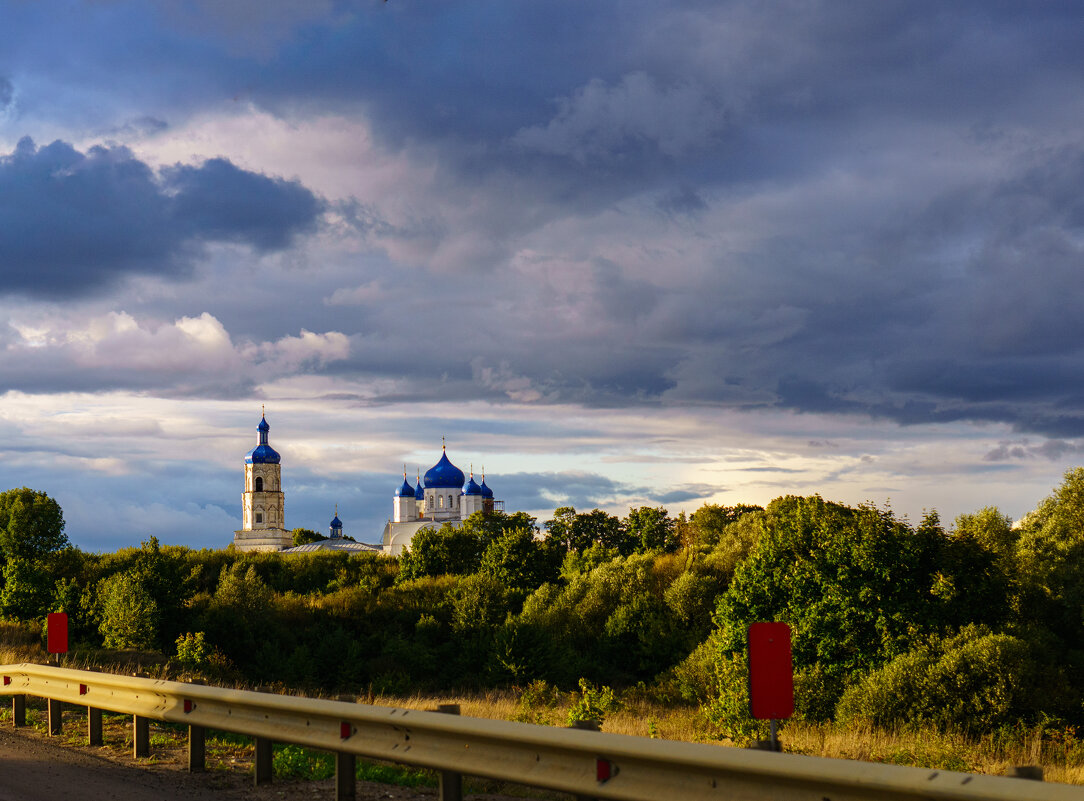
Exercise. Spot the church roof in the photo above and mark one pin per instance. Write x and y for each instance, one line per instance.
(419, 491)
(405, 491)
(444, 475)
(486, 491)
(263, 453)
(333, 545)
(472, 488)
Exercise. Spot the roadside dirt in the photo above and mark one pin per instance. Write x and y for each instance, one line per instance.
(35, 767)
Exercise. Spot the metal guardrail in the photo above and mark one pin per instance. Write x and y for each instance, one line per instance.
(587, 764)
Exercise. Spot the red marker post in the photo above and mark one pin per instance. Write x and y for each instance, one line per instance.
(57, 637)
(771, 675)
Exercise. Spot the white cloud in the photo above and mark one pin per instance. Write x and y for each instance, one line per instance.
(186, 351)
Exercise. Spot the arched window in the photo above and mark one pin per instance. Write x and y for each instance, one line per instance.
(259, 484)
(259, 517)
(440, 501)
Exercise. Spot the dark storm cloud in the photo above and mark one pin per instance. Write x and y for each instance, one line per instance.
(931, 298)
(72, 223)
(852, 209)
(218, 201)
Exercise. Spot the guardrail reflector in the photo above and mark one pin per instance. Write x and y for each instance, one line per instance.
(604, 769)
(7, 680)
(345, 730)
(83, 689)
(188, 705)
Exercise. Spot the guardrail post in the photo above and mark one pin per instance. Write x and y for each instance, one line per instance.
(263, 760)
(18, 710)
(346, 777)
(450, 782)
(587, 725)
(94, 726)
(141, 737)
(1034, 772)
(56, 725)
(197, 750)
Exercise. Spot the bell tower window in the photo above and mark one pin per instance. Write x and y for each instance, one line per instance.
(259, 484)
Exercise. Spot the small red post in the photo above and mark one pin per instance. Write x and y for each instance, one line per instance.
(771, 674)
(57, 638)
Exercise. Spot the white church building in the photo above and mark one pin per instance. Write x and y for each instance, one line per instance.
(444, 496)
(441, 497)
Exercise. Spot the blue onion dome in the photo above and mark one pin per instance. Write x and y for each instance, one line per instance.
(336, 522)
(263, 453)
(405, 490)
(419, 491)
(472, 488)
(486, 491)
(444, 475)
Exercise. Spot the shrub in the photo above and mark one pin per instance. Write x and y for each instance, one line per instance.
(728, 711)
(193, 652)
(538, 703)
(592, 704)
(977, 680)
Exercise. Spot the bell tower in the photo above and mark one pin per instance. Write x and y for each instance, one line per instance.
(263, 517)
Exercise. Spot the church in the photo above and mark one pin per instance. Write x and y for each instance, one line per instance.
(444, 496)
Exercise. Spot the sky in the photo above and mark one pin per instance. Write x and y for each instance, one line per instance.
(617, 253)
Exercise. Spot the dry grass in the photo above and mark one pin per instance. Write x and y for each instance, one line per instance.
(1059, 752)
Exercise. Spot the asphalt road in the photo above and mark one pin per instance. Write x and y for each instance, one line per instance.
(33, 769)
(36, 768)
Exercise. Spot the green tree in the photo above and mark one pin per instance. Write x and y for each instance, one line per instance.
(242, 592)
(437, 552)
(27, 590)
(709, 523)
(239, 619)
(1048, 558)
(652, 529)
(31, 525)
(518, 560)
(303, 536)
(128, 612)
(988, 528)
(572, 531)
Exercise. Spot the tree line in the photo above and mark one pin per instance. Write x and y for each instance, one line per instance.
(976, 625)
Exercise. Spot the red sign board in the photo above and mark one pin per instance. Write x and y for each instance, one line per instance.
(57, 626)
(771, 673)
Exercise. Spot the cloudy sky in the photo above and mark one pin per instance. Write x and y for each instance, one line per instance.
(618, 252)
